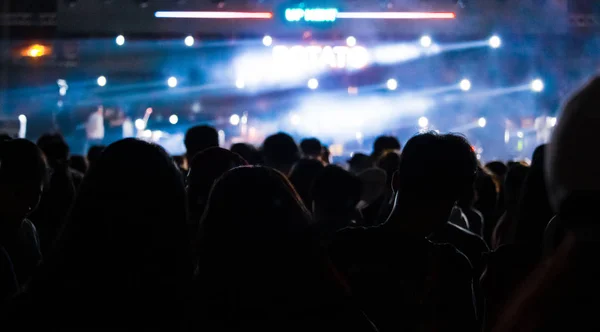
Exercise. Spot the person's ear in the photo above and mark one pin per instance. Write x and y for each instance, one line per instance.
(396, 181)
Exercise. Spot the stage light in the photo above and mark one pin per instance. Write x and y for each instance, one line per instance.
(239, 83)
(267, 40)
(520, 134)
(423, 122)
(22, 118)
(189, 41)
(313, 83)
(552, 121)
(395, 15)
(359, 135)
(465, 85)
(482, 122)
(62, 91)
(120, 40)
(234, 119)
(36, 51)
(351, 41)
(392, 84)
(213, 15)
(495, 41)
(101, 81)
(140, 124)
(295, 119)
(425, 41)
(173, 119)
(537, 85)
(172, 82)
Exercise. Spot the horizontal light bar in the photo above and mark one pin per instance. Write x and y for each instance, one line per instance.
(221, 15)
(396, 15)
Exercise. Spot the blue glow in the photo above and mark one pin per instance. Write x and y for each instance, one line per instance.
(311, 15)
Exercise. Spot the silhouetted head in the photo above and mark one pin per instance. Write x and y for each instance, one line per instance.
(513, 183)
(389, 162)
(23, 174)
(55, 148)
(199, 138)
(359, 162)
(498, 168)
(335, 192)
(326, 155)
(302, 176)
(311, 148)
(434, 172)
(253, 209)
(280, 152)
(206, 167)
(248, 152)
(78, 163)
(385, 143)
(94, 154)
(5, 137)
(127, 232)
(373, 184)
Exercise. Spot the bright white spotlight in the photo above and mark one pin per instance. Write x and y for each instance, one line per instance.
(189, 41)
(465, 85)
(537, 85)
(392, 84)
(359, 135)
(234, 119)
(295, 119)
(351, 41)
(120, 40)
(495, 41)
(482, 122)
(62, 91)
(267, 40)
(101, 81)
(140, 124)
(173, 119)
(313, 83)
(425, 41)
(552, 121)
(239, 83)
(520, 134)
(423, 122)
(172, 81)
(22, 118)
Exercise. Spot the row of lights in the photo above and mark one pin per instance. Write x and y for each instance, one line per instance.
(171, 81)
(423, 122)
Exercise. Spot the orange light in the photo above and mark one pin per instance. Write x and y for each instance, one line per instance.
(36, 51)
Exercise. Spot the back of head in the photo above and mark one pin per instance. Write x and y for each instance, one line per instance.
(359, 162)
(572, 167)
(199, 138)
(389, 162)
(206, 167)
(303, 175)
(436, 167)
(248, 152)
(373, 182)
(498, 168)
(280, 152)
(127, 228)
(385, 143)
(94, 154)
(22, 176)
(255, 205)
(78, 163)
(55, 148)
(336, 191)
(513, 183)
(311, 147)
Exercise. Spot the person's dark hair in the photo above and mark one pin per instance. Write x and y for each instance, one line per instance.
(384, 143)
(78, 163)
(198, 138)
(123, 254)
(248, 152)
(206, 167)
(311, 147)
(336, 190)
(5, 137)
(436, 166)
(513, 183)
(280, 152)
(389, 162)
(302, 175)
(55, 148)
(23, 172)
(498, 168)
(94, 153)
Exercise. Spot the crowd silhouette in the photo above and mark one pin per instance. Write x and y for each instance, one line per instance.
(420, 237)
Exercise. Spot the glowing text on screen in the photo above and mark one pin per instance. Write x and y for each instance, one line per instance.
(311, 15)
(321, 56)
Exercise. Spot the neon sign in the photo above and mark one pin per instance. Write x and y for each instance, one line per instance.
(317, 57)
(311, 15)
